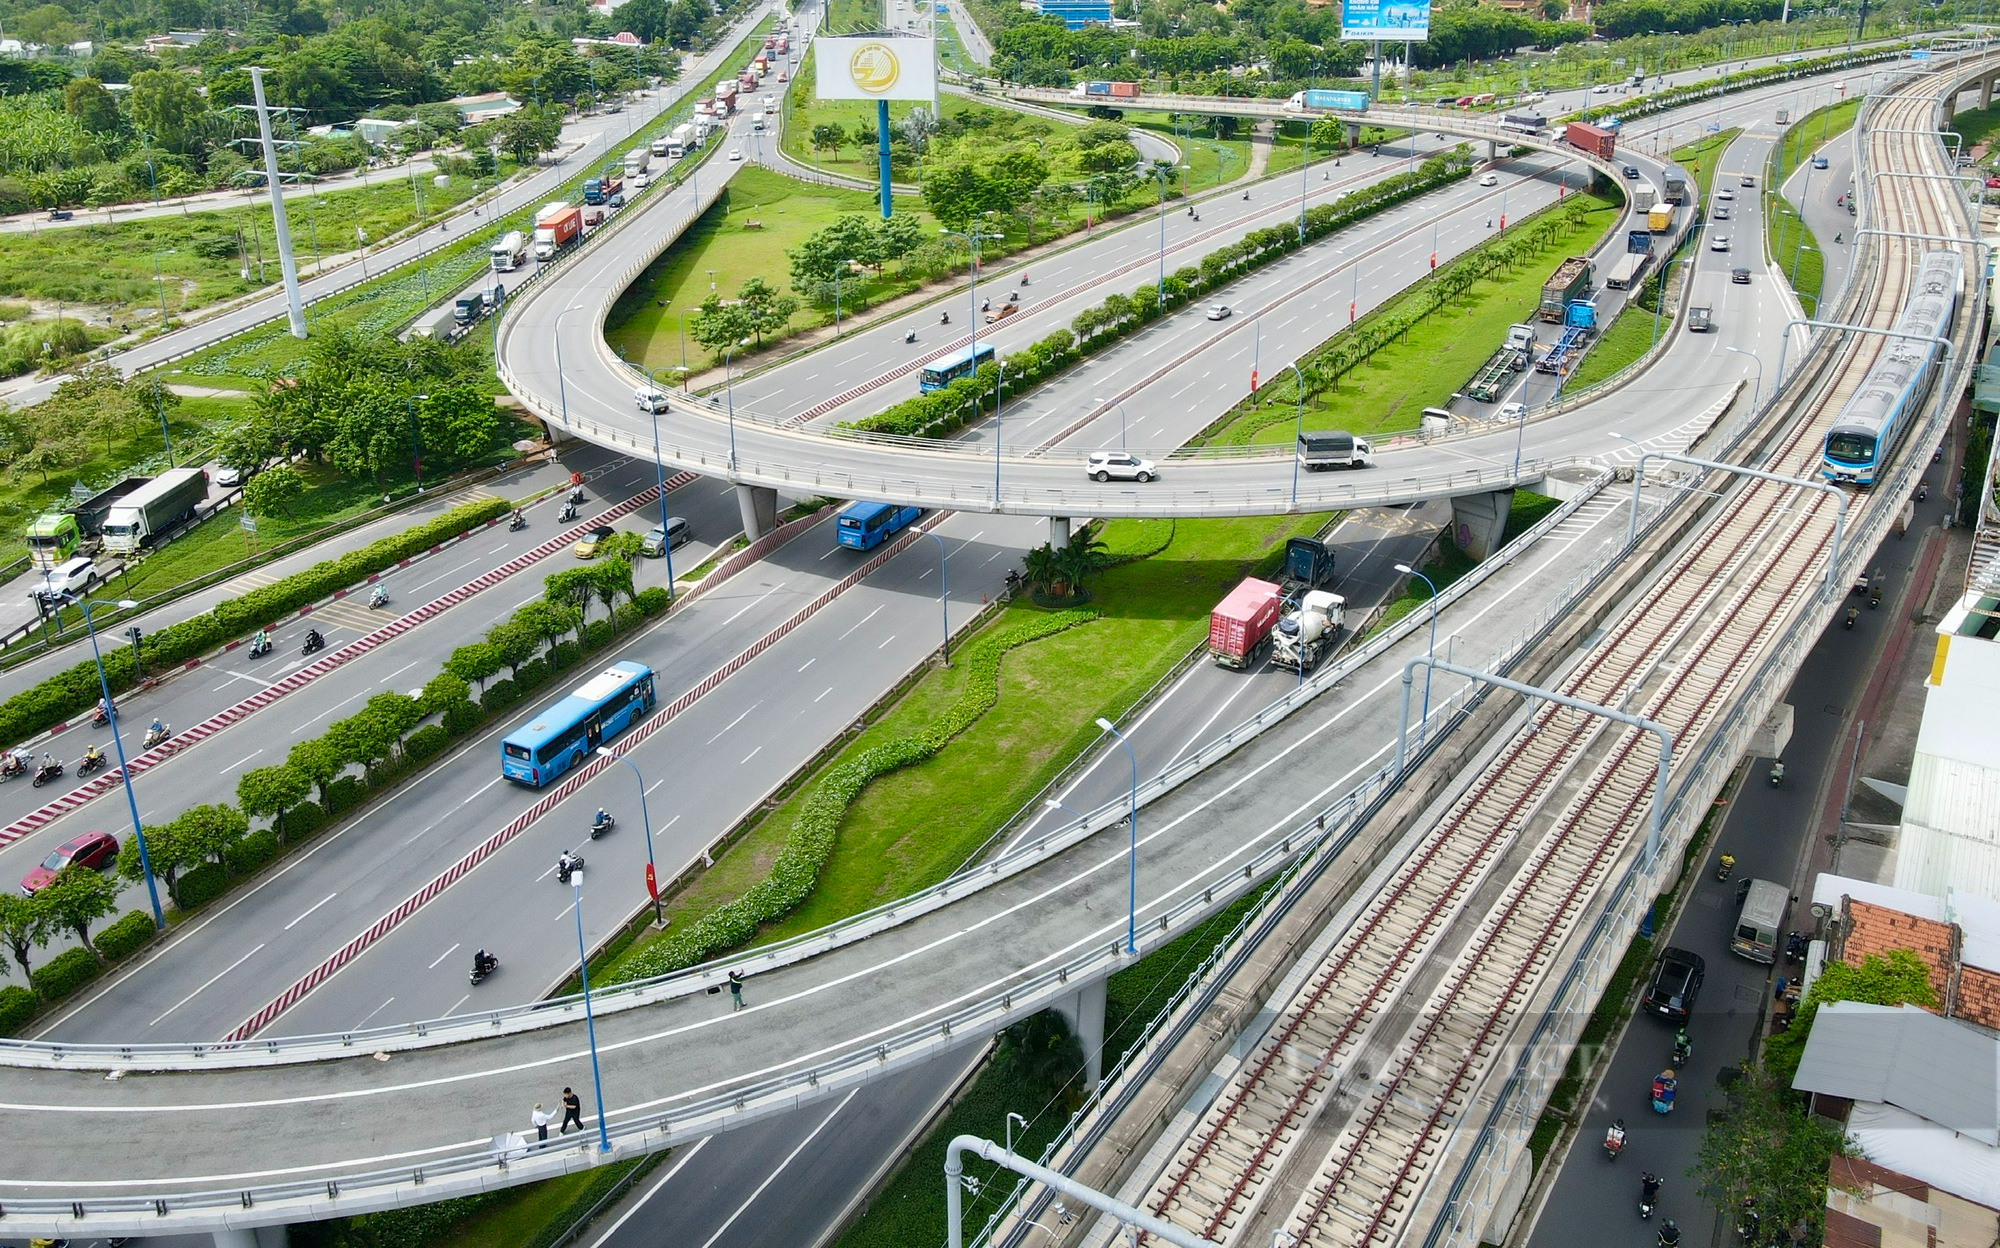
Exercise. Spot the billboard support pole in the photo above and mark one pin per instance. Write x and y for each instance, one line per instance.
(882, 150)
(1375, 79)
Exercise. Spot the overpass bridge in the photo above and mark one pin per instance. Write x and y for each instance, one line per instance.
(123, 1139)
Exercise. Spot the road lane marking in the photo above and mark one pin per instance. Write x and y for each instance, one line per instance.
(772, 1177)
(739, 719)
(316, 905)
(752, 754)
(858, 623)
(197, 992)
(442, 956)
(809, 663)
(372, 1013)
(829, 689)
(652, 1191)
(231, 768)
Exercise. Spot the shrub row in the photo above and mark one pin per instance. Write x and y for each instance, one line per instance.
(796, 870)
(127, 936)
(65, 973)
(74, 691)
(17, 1006)
(943, 412)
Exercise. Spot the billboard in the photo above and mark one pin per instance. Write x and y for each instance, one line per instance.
(1391, 21)
(875, 67)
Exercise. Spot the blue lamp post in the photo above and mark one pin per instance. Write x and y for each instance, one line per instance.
(1298, 432)
(118, 743)
(1407, 570)
(589, 1018)
(1132, 858)
(652, 873)
(666, 535)
(944, 594)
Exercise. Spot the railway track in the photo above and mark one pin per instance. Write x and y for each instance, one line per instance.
(1348, 1106)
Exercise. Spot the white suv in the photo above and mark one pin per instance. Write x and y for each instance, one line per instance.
(72, 577)
(1104, 465)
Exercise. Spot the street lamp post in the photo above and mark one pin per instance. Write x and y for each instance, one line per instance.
(589, 1016)
(1758, 389)
(1161, 172)
(666, 534)
(1407, 570)
(944, 594)
(652, 875)
(562, 388)
(1298, 432)
(729, 396)
(973, 237)
(1802, 249)
(416, 449)
(118, 743)
(998, 381)
(1305, 162)
(1132, 858)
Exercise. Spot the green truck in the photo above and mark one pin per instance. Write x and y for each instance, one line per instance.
(1570, 281)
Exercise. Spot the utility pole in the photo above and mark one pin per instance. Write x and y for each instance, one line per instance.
(294, 306)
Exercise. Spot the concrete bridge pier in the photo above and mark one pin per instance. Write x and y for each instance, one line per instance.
(1084, 1012)
(1986, 93)
(251, 1237)
(758, 505)
(1353, 134)
(1479, 521)
(1492, 150)
(1058, 530)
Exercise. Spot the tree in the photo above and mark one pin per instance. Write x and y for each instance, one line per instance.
(205, 833)
(1766, 1148)
(397, 713)
(528, 133)
(514, 643)
(25, 923)
(548, 621)
(1038, 568)
(474, 662)
(441, 692)
(720, 326)
(458, 424)
(894, 238)
(268, 792)
(1044, 1054)
(648, 19)
(768, 310)
(1082, 557)
(318, 761)
(826, 136)
(86, 100)
(569, 588)
(164, 851)
(611, 577)
(1899, 978)
(76, 899)
(273, 491)
(167, 106)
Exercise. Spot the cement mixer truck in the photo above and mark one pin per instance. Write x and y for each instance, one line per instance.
(1304, 635)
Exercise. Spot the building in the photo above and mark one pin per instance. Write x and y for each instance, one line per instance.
(473, 109)
(1950, 833)
(1957, 936)
(1870, 1206)
(376, 131)
(1077, 13)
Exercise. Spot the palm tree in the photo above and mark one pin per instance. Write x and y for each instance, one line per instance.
(1080, 558)
(1039, 570)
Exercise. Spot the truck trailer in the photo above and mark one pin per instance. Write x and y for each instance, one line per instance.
(1571, 279)
(1495, 376)
(1597, 140)
(147, 515)
(1240, 626)
(1342, 101)
(90, 513)
(556, 228)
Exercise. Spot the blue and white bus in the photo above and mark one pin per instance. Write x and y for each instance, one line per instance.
(864, 526)
(946, 369)
(563, 735)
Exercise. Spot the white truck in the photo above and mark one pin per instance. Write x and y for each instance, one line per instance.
(1303, 636)
(510, 252)
(636, 161)
(1322, 449)
(756, 121)
(681, 141)
(661, 147)
(140, 518)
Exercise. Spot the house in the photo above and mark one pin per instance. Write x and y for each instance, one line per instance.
(375, 131)
(473, 109)
(1956, 936)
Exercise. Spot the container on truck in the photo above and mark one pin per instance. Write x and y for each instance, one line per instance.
(1597, 140)
(1321, 449)
(148, 514)
(636, 161)
(1240, 626)
(1701, 319)
(1628, 271)
(1571, 278)
(555, 230)
(704, 107)
(770, 42)
(510, 252)
(52, 537)
(1106, 90)
(682, 140)
(1660, 219)
(1345, 101)
(760, 67)
(1676, 189)
(90, 512)
(440, 323)
(784, 45)
(1302, 637)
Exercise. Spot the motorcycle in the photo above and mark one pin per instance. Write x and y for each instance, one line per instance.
(380, 598)
(1724, 865)
(1649, 1194)
(101, 717)
(1796, 944)
(91, 761)
(944, 318)
(50, 770)
(483, 964)
(1024, 279)
(602, 824)
(1746, 1220)
(1614, 1140)
(567, 866)
(910, 337)
(1664, 1086)
(518, 523)
(314, 642)
(1923, 490)
(1683, 1049)
(260, 645)
(568, 512)
(1670, 1235)
(1777, 773)
(576, 495)
(12, 766)
(1874, 595)
(1853, 614)
(1013, 296)
(156, 734)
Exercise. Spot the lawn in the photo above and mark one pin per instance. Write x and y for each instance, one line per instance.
(718, 254)
(843, 16)
(803, 112)
(1425, 366)
(918, 825)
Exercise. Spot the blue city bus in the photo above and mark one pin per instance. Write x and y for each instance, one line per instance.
(563, 735)
(946, 369)
(865, 526)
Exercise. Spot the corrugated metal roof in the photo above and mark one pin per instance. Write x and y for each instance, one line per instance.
(1951, 828)
(1939, 1069)
(1979, 918)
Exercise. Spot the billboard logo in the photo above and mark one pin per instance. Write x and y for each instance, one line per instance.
(874, 68)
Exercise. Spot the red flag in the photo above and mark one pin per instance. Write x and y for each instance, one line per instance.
(1434, 259)
(1253, 381)
(1503, 220)
(1350, 311)
(652, 885)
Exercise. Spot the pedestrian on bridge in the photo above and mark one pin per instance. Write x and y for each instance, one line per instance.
(735, 991)
(541, 1119)
(572, 1110)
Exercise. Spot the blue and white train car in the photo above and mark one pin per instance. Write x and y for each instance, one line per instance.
(1865, 434)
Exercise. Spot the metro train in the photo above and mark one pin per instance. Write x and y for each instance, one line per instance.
(1864, 435)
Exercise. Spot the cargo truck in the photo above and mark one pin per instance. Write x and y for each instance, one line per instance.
(1343, 101)
(1571, 278)
(637, 160)
(555, 229)
(1308, 565)
(1302, 637)
(1677, 190)
(1580, 325)
(511, 252)
(1322, 449)
(682, 140)
(148, 514)
(1660, 220)
(1644, 197)
(1106, 91)
(90, 513)
(660, 147)
(1495, 375)
(481, 302)
(601, 188)
(1700, 320)
(756, 121)
(1597, 140)
(1240, 626)
(53, 537)
(1639, 241)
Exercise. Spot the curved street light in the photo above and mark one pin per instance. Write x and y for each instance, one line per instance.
(118, 743)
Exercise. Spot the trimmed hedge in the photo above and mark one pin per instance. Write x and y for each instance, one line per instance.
(944, 412)
(17, 1006)
(252, 852)
(797, 867)
(127, 936)
(66, 972)
(499, 695)
(652, 600)
(300, 822)
(344, 794)
(462, 717)
(427, 743)
(70, 693)
(200, 885)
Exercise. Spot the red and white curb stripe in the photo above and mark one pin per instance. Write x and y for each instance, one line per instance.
(86, 793)
(588, 771)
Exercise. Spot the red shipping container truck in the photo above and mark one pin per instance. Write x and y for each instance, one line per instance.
(1596, 140)
(1241, 624)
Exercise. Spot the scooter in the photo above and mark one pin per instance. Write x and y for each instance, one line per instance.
(1670, 1235)
(1013, 296)
(1649, 1194)
(92, 760)
(1614, 1140)
(1664, 1086)
(51, 770)
(518, 523)
(1777, 772)
(1853, 614)
(1874, 594)
(12, 766)
(944, 318)
(602, 824)
(567, 866)
(910, 337)
(576, 495)
(481, 968)
(1024, 279)
(101, 717)
(568, 512)
(260, 645)
(156, 734)
(380, 598)
(1796, 944)
(1683, 1049)
(1724, 865)
(1923, 490)
(314, 642)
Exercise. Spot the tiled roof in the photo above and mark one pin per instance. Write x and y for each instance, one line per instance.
(1869, 929)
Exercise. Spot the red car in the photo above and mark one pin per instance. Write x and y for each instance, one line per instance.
(1993, 184)
(96, 850)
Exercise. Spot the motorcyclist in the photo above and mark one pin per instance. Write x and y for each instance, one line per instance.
(1614, 1139)
(104, 708)
(1649, 1188)
(1670, 1235)
(1777, 770)
(92, 755)
(565, 866)
(262, 641)
(156, 729)
(313, 640)
(1024, 279)
(483, 963)
(380, 596)
(602, 818)
(518, 519)
(1836, 238)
